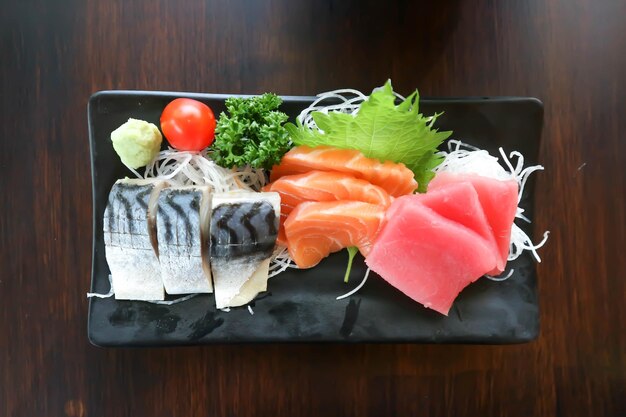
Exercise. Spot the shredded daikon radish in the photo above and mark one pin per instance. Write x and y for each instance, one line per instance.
(462, 158)
(358, 287)
(466, 159)
(111, 292)
(133, 170)
(281, 261)
(176, 301)
(182, 168)
(501, 277)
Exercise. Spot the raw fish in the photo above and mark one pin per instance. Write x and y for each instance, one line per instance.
(428, 257)
(183, 239)
(130, 239)
(459, 202)
(499, 201)
(395, 178)
(323, 186)
(316, 229)
(244, 226)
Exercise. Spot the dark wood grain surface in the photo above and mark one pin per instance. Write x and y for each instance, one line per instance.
(571, 54)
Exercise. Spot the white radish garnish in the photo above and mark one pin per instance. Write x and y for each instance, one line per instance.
(281, 261)
(357, 288)
(466, 159)
(196, 168)
(111, 292)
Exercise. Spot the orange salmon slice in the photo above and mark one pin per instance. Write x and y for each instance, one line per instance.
(316, 229)
(395, 178)
(326, 186)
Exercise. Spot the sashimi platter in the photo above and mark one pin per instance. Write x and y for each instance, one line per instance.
(343, 217)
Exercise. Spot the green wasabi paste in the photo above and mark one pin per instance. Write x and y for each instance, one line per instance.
(136, 142)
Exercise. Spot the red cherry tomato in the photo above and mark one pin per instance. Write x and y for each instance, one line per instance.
(188, 125)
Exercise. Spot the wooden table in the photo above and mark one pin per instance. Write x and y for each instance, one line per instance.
(571, 54)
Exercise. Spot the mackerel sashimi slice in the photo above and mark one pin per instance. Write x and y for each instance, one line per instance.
(316, 229)
(183, 239)
(130, 238)
(243, 232)
(428, 257)
(499, 201)
(395, 178)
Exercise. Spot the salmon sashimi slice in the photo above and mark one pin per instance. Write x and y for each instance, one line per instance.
(395, 178)
(316, 229)
(285, 209)
(323, 186)
(281, 239)
(326, 186)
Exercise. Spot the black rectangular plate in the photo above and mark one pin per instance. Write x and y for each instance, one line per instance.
(300, 306)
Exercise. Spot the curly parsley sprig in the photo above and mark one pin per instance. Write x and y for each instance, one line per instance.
(252, 133)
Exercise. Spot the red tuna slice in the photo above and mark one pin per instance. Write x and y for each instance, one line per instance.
(459, 202)
(428, 257)
(499, 201)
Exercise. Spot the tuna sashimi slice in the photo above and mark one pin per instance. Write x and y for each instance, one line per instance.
(499, 201)
(459, 202)
(428, 257)
(395, 178)
(316, 229)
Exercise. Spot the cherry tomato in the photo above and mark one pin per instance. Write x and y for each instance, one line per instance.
(188, 125)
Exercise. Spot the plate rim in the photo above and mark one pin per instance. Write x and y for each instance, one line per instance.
(304, 98)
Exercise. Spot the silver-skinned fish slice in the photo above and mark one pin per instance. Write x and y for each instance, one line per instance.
(130, 239)
(183, 239)
(244, 227)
